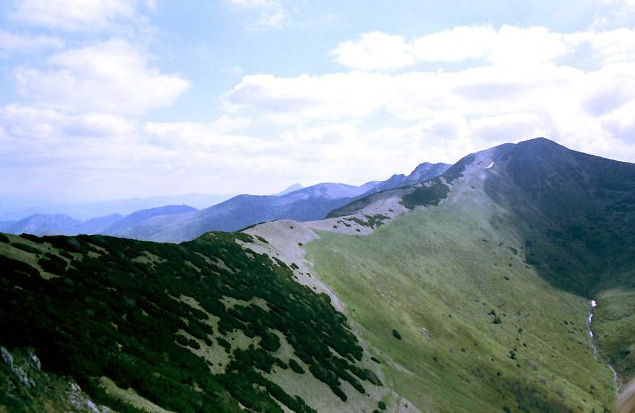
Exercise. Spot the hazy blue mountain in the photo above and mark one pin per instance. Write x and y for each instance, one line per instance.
(5, 225)
(44, 224)
(17, 209)
(179, 223)
(123, 224)
(306, 204)
(58, 224)
(309, 203)
(290, 189)
(100, 224)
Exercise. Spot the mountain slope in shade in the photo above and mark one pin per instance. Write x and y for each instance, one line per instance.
(574, 205)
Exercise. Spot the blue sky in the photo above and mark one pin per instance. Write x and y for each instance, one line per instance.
(107, 99)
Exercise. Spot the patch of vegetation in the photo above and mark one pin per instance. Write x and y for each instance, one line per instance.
(372, 221)
(295, 366)
(430, 193)
(261, 239)
(25, 247)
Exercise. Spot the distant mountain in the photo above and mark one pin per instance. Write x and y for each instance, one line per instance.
(100, 224)
(174, 223)
(241, 211)
(5, 225)
(305, 204)
(124, 224)
(115, 224)
(290, 189)
(44, 224)
(17, 209)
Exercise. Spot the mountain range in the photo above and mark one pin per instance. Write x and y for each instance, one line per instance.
(182, 223)
(15, 209)
(504, 283)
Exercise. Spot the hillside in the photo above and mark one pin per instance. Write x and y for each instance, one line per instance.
(189, 327)
(467, 292)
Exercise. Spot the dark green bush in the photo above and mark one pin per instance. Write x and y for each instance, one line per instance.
(295, 366)
(25, 247)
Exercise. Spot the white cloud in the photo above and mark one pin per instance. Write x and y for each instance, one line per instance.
(26, 43)
(509, 45)
(375, 50)
(611, 46)
(112, 77)
(74, 15)
(38, 124)
(305, 98)
(515, 87)
(79, 156)
(498, 85)
(454, 45)
(405, 96)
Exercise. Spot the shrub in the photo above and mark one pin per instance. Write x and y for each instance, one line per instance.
(295, 366)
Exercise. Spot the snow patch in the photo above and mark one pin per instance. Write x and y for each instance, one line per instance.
(490, 165)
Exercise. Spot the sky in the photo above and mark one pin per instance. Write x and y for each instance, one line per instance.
(114, 99)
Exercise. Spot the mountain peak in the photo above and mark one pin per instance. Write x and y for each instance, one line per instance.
(291, 188)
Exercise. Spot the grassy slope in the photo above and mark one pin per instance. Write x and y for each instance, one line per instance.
(444, 269)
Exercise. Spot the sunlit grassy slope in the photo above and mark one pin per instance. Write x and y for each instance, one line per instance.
(480, 330)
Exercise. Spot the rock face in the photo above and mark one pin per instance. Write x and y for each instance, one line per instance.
(25, 387)
(16, 370)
